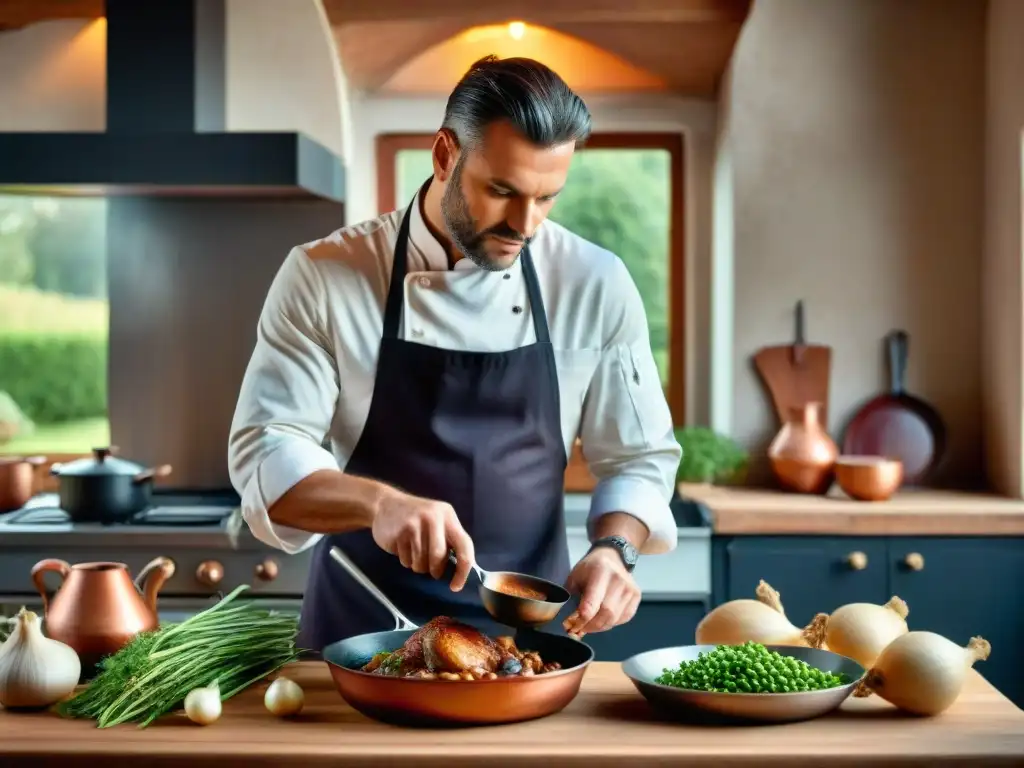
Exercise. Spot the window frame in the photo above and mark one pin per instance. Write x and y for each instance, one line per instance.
(578, 478)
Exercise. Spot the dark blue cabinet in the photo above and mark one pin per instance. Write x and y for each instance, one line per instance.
(811, 575)
(957, 587)
(656, 625)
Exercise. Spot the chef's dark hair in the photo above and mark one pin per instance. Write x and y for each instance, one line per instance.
(525, 92)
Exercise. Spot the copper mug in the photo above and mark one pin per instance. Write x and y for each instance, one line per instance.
(17, 480)
(98, 609)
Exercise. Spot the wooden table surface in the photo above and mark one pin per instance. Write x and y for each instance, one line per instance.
(608, 723)
(910, 512)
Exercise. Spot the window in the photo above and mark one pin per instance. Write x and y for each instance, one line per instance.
(53, 326)
(625, 193)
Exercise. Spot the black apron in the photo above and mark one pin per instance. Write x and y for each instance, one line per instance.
(479, 430)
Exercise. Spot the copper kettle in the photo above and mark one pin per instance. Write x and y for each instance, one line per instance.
(98, 609)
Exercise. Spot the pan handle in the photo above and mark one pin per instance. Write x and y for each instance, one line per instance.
(353, 570)
(897, 343)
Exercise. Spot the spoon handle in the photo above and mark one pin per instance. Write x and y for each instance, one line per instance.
(401, 622)
(480, 572)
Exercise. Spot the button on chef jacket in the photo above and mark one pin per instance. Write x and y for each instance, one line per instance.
(310, 379)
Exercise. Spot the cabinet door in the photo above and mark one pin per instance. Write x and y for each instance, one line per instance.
(960, 588)
(656, 625)
(811, 574)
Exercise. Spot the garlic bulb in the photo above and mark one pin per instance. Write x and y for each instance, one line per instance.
(35, 671)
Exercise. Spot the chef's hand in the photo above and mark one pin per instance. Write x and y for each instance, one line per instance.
(421, 531)
(609, 596)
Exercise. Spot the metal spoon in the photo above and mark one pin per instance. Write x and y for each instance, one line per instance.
(502, 600)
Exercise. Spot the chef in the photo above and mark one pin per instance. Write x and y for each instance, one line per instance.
(419, 379)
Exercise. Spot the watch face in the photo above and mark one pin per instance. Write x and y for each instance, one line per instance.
(629, 553)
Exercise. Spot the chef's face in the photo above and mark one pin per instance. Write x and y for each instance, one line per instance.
(498, 192)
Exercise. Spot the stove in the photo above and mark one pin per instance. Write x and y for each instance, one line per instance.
(202, 532)
(170, 510)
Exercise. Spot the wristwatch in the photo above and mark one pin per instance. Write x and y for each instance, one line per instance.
(626, 550)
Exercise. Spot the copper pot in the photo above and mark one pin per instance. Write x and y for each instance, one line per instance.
(17, 479)
(98, 609)
(802, 454)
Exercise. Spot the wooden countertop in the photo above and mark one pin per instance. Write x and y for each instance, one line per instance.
(608, 723)
(908, 513)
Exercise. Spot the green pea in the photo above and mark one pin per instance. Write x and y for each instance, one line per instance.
(747, 668)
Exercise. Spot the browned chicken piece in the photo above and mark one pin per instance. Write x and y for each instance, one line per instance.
(451, 646)
(450, 650)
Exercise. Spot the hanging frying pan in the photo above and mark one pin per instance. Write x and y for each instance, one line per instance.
(414, 701)
(898, 425)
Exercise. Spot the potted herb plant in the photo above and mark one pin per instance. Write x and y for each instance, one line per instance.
(710, 458)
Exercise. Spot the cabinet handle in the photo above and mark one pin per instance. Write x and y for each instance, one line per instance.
(914, 561)
(857, 561)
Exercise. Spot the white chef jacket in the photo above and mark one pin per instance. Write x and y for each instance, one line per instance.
(310, 379)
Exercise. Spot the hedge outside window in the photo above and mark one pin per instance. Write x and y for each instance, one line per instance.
(54, 325)
(625, 193)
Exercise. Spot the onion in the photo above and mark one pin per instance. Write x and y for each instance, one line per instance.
(860, 630)
(761, 621)
(284, 697)
(922, 672)
(202, 705)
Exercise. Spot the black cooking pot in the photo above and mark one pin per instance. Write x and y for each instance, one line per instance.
(105, 489)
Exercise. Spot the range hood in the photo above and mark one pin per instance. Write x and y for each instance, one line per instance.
(165, 131)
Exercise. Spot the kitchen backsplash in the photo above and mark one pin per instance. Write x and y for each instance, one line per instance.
(188, 278)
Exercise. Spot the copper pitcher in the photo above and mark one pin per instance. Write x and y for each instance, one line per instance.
(98, 609)
(803, 456)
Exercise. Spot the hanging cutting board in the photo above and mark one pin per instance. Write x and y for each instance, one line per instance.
(796, 373)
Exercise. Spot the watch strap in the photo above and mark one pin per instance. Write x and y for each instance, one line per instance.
(620, 544)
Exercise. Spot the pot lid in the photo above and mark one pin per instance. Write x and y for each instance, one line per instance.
(102, 463)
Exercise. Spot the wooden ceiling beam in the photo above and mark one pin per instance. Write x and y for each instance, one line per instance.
(470, 12)
(15, 14)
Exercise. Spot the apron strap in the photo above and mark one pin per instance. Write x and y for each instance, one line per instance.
(540, 317)
(399, 269)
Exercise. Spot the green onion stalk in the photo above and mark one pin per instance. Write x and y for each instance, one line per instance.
(233, 643)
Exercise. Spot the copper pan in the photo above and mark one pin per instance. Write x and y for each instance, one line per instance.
(442, 703)
(516, 599)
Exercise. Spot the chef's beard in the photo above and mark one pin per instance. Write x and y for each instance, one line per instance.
(462, 228)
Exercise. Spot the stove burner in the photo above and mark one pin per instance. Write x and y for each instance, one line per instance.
(183, 510)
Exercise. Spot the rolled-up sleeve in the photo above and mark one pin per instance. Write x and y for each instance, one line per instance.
(627, 433)
(286, 403)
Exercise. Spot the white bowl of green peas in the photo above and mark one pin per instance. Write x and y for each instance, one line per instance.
(749, 682)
